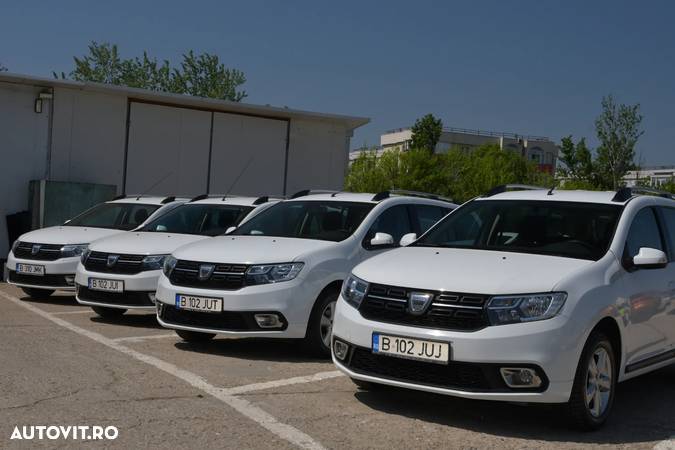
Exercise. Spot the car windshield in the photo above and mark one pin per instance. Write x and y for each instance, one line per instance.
(572, 230)
(202, 219)
(118, 216)
(311, 219)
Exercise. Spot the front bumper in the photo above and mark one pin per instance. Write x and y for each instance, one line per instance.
(59, 274)
(291, 300)
(475, 358)
(139, 290)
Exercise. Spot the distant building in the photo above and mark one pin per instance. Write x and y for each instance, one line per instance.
(656, 176)
(538, 149)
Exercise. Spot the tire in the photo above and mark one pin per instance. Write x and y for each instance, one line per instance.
(320, 326)
(194, 336)
(37, 293)
(108, 313)
(594, 385)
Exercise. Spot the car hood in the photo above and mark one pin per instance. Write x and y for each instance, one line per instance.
(468, 271)
(251, 249)
(67, 235)
(144, 243)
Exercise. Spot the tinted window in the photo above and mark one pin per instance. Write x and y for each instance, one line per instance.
(644, 232)
(311, 219)
(393, 221)
(202, 219)
(428, 215)
(574, 230)
(669, 218)
(119, 216)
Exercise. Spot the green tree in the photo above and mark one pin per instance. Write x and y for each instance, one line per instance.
(577, 159)
(618, 130)
(200, 75)
(426, 132)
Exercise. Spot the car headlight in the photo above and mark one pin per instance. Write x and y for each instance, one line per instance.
(15, 245)
(69, 251)
(154, 262)
(169, 264)
(525, 308)
(272, 273)
(354, 290)
(85, 255)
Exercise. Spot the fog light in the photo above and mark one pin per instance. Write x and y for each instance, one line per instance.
(340, 349)
(70, 280)
(268, 321)
(520, 377)
(152, 297)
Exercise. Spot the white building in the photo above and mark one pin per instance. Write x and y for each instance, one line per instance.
(655, 175)
(538, 149)
(134, 138)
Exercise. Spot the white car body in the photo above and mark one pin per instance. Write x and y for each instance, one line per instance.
(326, 263)
(128, 249)
(42, 247)
(636, 305)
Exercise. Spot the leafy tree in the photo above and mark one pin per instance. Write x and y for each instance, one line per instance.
(577, 159)
(618, 129)
(426, 132)
(200, 75)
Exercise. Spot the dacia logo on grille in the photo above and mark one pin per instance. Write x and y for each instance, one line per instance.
(35, 249)
(112, 260)
(205, 271)
(418, 302)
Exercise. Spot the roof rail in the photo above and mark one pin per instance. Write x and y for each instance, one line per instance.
(513, 187)
(305, 192)
(625, 193)
(168, 199)
(119, 197)
(386, 194)
(260, 200)
(199, 197)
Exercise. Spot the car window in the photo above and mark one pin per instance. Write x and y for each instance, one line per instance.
(568, 229)
(428, 215)
(200, 219)
(120, 216)
(394, 221)
(644, 232)
(669, 218)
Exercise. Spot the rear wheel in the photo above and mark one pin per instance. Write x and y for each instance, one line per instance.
(37, 293)
(320, 328)
(108, 313)
(194, 336)
(594, 386)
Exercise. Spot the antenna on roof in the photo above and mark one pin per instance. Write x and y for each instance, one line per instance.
(550, 192)
(250, 160)
(153, 186)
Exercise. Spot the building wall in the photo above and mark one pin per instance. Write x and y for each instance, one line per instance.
(24, 143)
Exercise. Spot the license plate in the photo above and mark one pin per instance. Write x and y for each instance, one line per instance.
(409, 348)
(30, 269)
(97, 284)
(204, 304)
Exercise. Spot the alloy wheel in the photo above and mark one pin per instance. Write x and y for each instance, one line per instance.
(326, 323)
(598, 382)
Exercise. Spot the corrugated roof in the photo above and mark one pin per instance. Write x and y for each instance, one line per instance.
(351, 122)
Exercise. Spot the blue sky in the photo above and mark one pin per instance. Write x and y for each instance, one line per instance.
(532, 67)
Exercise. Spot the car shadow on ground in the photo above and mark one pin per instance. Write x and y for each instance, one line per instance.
(643, 412)
(54, 299)
(254, 349)
(131, 320)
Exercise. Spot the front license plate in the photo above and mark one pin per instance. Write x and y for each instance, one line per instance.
(30, 269)
(204, 304)
(403, 347)
(97, 284)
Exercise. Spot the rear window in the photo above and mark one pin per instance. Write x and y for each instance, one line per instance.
(118, 216)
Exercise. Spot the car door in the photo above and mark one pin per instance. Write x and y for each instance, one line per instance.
(395, 221)
(667, 215)
(646, 290)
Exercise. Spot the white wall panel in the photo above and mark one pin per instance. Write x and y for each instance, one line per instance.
(167, 142)
(240, 140)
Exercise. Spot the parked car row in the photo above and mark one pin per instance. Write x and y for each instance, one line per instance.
(524, 294)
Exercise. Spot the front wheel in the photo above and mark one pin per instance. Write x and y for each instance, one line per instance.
(37, 293)
(108, 313)
(320, 328)
(594, 386)
(195, 336)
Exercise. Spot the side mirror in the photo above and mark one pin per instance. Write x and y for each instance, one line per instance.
(408, 239)
(382, 239)
(230, 230)
(650, 258)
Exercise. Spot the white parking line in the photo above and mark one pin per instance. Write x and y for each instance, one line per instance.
(143, 338)
(288, 381)
(243, 406)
